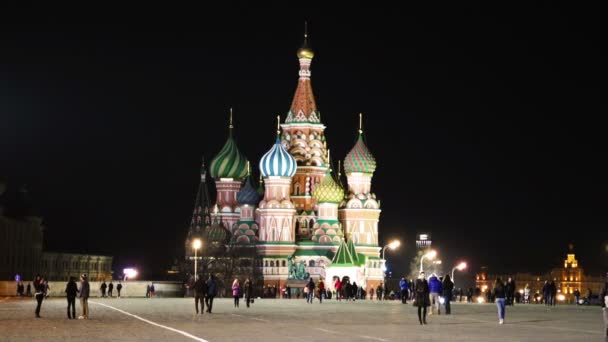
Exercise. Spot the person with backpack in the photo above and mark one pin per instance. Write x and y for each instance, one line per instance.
(311, 291)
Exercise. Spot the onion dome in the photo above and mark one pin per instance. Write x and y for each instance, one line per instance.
(278, 162)
(359, 159)
(305, 51)
(229, 162)
(248, 194)
(328, 191)
(217, 234)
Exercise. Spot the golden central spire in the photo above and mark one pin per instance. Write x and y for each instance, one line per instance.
(231, 127)
(305, 51)
(278, 126)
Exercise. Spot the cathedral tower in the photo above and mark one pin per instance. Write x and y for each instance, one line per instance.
(228, 168)
(361, 211)
(303, 136)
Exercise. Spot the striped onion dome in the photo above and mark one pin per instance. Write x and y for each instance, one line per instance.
(359, 159)
(328, 191)
(278, 162)
(229, 162)
(248, 194)
(217, 234)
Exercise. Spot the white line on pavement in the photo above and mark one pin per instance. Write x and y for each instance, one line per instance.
(254, 318)
(372, 338)
(151, 323)
(327, 331)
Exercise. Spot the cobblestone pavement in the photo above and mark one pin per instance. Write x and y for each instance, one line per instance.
(291, 320)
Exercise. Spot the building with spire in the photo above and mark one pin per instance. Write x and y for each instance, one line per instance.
(301, 221)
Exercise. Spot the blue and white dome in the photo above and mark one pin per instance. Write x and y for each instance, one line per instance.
(278, 162)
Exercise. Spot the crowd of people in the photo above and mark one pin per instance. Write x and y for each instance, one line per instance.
(72, 291)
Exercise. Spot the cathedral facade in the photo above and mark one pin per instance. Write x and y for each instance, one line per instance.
(300, 221)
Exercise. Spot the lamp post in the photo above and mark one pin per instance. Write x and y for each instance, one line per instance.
(430, 255)
(459, 267)
(394, 244)
(196, 244)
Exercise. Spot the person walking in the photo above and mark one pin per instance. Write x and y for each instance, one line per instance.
(371, 293)
(435, 289)
(200, 291)
(527, 294)
(148, 291)
(311, 291)
(211, 292)
(28, 290)
(84, 296)
(103, 288)
(403, 286)
(39, 293)
(71, 290)
(379, 292)
(321, 290)
(110, 289)
(248, 289)
(422, 300)
(500, 294)
(604, 300)
(118, 288)
(236, 292)
(338, 287)
(354, 289)
(448, 288)
(152, 290)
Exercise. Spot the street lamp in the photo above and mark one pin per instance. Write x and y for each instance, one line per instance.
(394, 244)
(196, 244)
(430, 255)
(459, 267)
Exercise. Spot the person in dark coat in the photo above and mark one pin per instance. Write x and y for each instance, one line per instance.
(110, 289)
(200, 292)
(422, 300)
(500, 294)
(118, 288)
(510, 287)
(379, 292)
(28, 290)
(311, 291)
(248, 288)
(39, 293)
(84, 296)
(448, 288)
(103, 288)
(71, 290)
(211, 292)
(604, 300)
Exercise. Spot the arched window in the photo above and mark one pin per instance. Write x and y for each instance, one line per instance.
(265, 263)
(283, 263)
(311, 263)
(271, 263)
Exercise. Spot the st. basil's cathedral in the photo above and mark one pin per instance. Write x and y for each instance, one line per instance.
(300, 221)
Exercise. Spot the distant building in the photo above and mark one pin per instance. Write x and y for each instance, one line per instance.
(60, 266)
(567, 279)
(423, 240)
(21, 246)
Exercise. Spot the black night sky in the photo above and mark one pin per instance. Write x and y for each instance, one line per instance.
(484, 120)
